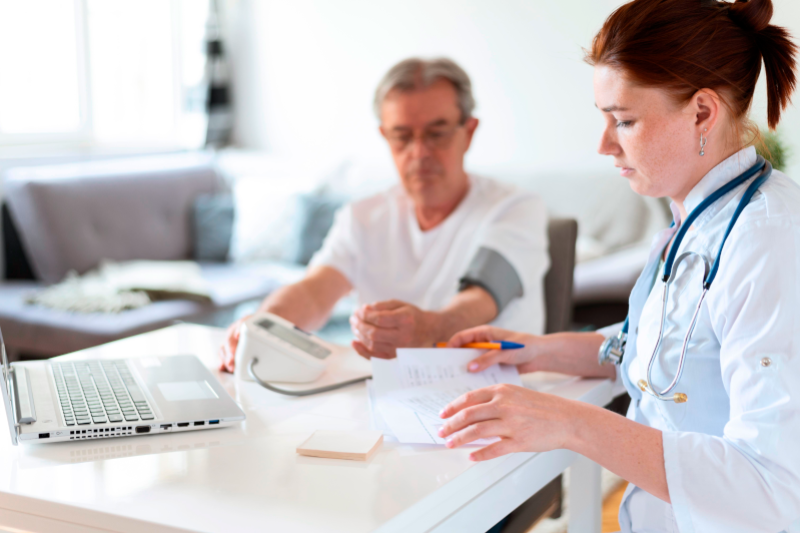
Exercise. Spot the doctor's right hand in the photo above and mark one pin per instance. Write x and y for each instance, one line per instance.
(227, 352)
(525, 359)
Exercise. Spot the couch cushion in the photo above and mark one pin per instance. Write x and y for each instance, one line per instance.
(42, 331)
(212, 227)
(72, 216)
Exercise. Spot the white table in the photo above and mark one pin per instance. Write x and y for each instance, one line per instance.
(249, 478)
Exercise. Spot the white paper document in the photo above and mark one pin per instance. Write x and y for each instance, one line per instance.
(411, 390)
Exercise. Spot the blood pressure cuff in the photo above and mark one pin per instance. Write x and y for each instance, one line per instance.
(492, 272)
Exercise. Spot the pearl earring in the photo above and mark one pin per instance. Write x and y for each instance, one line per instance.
(703, 141)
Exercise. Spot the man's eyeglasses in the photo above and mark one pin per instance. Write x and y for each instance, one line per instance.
(435, 138)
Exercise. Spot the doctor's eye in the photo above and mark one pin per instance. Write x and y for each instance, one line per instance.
(624, 124)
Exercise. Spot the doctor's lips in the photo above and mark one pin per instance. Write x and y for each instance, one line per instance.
(625, 171)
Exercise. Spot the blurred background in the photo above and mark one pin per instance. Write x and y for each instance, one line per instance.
(227, 132)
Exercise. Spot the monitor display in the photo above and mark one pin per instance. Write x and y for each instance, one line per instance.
(295, 338)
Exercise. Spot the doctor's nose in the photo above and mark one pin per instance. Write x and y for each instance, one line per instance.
(608, 144)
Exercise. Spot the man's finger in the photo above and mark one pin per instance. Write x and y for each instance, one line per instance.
(381, 351)
(389, 318)
(360, 330)
(467, 400)
(503, 447)
(386, 305)
(362, 350)
(223, 359)
(481, 430)
(373, 338)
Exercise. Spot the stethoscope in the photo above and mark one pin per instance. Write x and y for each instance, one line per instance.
(613, 349)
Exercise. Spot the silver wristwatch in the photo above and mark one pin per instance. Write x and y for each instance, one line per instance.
(613, 349)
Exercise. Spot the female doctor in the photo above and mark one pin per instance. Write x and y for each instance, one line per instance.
(712, 360)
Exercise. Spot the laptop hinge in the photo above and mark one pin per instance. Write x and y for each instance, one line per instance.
(23, 396)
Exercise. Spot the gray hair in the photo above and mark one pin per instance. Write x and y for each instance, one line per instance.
(415, 73)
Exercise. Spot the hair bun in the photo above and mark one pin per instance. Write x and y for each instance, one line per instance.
(751, 14)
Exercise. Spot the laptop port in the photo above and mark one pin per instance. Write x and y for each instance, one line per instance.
(44, 435)
(183, 424)
(142, 429)
(213, 422)
(166, 426)
(199, 423)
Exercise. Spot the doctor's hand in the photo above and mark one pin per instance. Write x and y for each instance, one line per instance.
(525, 359)
(383, 327)
(524, 420)
(227, 352)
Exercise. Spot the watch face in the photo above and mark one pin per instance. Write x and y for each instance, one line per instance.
(295, 337)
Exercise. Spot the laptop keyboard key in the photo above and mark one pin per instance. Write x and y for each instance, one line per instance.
(148, 416)
(136, 393)
(131, 418)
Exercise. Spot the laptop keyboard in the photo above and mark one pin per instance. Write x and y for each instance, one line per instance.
(99, 392)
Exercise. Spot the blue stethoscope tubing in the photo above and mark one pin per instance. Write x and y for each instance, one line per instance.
(765, 169)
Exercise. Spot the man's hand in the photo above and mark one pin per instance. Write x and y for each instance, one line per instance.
(383, 327)
(227, 352)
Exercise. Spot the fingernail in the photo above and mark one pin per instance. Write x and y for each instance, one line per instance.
(472, 458)
(441, 432)
(473, 366)
(449, 443)
(441, 413)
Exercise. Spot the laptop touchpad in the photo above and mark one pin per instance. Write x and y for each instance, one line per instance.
(176, 391)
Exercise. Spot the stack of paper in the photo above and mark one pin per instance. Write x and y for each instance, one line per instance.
(407, 393)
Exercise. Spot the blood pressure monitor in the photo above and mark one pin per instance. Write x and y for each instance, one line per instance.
(285, 352)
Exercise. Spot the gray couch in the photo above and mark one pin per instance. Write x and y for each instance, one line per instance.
(70, 217)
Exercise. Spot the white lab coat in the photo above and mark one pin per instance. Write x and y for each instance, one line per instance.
(732, 452)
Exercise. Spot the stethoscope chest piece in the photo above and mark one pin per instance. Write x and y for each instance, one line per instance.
(678, 397)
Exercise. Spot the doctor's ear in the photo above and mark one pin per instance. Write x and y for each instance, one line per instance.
(706, 106)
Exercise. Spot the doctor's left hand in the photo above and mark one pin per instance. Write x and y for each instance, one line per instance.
(383, 327)
(525, 421)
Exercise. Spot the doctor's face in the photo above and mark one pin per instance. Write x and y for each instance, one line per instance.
(650, 137)
(428, 142)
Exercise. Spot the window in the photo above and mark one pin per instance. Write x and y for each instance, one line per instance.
(102, 72)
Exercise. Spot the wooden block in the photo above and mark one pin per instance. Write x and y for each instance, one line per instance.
(353, 445)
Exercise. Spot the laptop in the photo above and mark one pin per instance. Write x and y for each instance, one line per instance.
(54, 401)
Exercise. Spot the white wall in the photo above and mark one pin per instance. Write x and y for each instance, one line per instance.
(306, 70)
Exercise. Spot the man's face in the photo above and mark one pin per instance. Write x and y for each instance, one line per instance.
(428, 142)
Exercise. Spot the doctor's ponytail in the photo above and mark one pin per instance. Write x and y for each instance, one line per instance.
(683, 46)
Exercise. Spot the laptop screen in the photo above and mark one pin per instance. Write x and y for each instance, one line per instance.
(6, 388)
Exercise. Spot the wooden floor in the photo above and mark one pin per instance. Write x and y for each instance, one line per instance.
(611, 510)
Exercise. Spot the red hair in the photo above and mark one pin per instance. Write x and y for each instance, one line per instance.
(683, 46)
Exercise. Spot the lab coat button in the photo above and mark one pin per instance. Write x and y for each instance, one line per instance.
(766, 361)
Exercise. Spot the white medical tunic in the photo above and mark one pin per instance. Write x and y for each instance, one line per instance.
(732, 452)
(377, 244)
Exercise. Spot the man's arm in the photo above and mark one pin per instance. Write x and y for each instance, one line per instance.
(307, 303)
(383, 327)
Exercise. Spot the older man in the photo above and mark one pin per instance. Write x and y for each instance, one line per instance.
(440, 252)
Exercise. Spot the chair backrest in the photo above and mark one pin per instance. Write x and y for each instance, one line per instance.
(562, 234)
